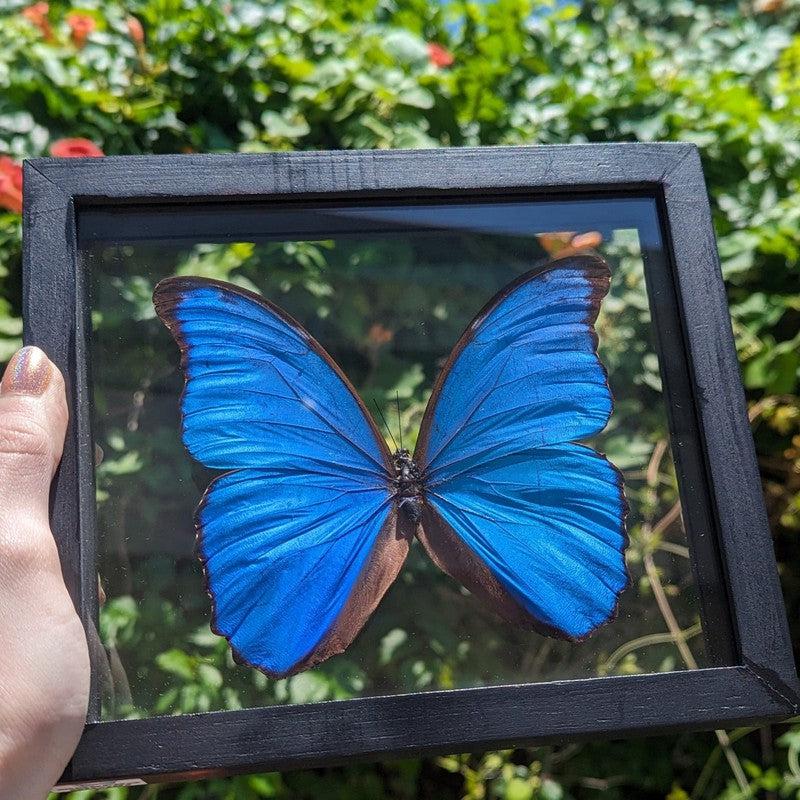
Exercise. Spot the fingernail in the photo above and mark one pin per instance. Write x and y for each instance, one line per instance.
(28, 372)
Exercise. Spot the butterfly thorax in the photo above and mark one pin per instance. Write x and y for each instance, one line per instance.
(407, 484)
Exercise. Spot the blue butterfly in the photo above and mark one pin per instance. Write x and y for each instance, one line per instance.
(313, 518)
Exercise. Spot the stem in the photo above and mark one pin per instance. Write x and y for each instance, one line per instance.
(675, 629)
(655, 462)
(671, 516)
(671, 547)
(666, 611)
(645, 641)
(711, 761)
(794, 762)
(686, 654)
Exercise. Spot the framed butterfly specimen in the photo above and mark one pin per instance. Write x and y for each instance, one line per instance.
(497, 491)
(435, 576)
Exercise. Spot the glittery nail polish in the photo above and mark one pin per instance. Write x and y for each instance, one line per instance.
(28, 372)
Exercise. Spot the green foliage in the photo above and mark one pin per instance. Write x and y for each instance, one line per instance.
(309, 74)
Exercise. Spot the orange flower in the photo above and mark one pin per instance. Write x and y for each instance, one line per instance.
(81, 25)
(768, 6)
(75, 148)
(439, 56)
(567, 243)
(587, 241)
(135, 30)
(37, 15)
(10, 185)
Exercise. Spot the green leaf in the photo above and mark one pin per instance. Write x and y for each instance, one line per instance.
(176, 662)
(279, 127)
(404, 47)
(308, 687)
(390, 643)
(416, 97)
(519, 789)
(209, 676)
(550, 790)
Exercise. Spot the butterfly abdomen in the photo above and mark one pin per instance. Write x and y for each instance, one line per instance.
(407, 485)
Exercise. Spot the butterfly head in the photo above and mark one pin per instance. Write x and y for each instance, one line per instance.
(407, 483)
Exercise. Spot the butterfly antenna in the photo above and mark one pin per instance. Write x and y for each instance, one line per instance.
(383, 419)
(399, 421)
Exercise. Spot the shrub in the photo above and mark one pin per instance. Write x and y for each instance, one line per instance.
(159, 76)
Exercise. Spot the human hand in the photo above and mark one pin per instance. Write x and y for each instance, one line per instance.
(44, 660)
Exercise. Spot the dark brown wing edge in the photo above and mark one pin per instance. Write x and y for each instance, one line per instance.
(445, 548)
(393, 542)
(377, 575)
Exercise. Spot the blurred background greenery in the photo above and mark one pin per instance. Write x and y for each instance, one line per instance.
(163, 76)
(388, 305)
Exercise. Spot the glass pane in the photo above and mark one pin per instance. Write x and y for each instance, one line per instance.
(387, 291)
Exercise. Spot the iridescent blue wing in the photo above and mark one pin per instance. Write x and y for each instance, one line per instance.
(524, 517)
(299, 540)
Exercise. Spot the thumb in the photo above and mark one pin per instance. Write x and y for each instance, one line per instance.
(44, 663)
(33, 421)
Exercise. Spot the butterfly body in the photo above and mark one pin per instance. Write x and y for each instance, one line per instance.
(407, 485)
(312, 519)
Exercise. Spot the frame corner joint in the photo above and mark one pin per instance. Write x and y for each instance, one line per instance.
(788, 693)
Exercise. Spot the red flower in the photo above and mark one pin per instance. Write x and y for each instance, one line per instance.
(37, 15)
(81, 25)
(135, 30)
(439, 56)
(75, 148)
(10, 185)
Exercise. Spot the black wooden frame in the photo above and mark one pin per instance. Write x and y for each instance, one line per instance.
(756, 681)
